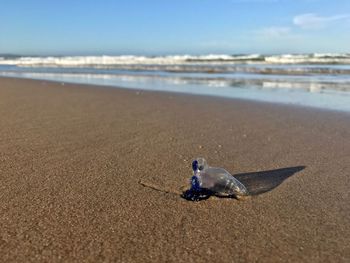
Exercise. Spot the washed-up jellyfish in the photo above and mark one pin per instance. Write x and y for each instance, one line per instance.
(214, 180)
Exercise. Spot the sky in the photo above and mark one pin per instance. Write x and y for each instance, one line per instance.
(159, 27)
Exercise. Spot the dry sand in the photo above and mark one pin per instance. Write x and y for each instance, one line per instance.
(93, 174)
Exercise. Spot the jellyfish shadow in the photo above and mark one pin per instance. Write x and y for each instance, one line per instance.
(256, 183)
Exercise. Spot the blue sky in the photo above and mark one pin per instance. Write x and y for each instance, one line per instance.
(86, 27)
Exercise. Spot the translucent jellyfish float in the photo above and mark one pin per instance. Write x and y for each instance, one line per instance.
(216, 181)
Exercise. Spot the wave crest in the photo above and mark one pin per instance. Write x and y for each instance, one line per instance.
(108, 61)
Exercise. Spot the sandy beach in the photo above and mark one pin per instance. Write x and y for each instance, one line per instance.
(94, 174)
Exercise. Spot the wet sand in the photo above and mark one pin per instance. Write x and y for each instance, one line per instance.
(95, 174)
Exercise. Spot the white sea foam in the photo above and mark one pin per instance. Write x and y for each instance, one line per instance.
(110, 61)
(309, 59)
(121, 60)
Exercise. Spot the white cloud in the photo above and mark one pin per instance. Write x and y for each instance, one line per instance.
(274, 32)
(314, 21)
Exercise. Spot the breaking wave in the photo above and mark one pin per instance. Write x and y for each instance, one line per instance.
(110, 61)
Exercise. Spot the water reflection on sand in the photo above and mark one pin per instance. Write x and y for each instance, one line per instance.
(330, 92)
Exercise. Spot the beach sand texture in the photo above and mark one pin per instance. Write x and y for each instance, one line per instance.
(95, 174)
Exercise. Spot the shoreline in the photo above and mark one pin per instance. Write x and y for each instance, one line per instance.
(180, 93)
(92, 173)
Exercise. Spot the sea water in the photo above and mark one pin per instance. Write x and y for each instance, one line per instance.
(315, 80)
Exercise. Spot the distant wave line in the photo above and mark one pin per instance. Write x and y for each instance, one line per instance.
(99, 61)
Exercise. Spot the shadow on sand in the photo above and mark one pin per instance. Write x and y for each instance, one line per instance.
(257, 182)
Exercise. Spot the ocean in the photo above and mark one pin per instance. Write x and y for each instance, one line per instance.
(312, 80)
